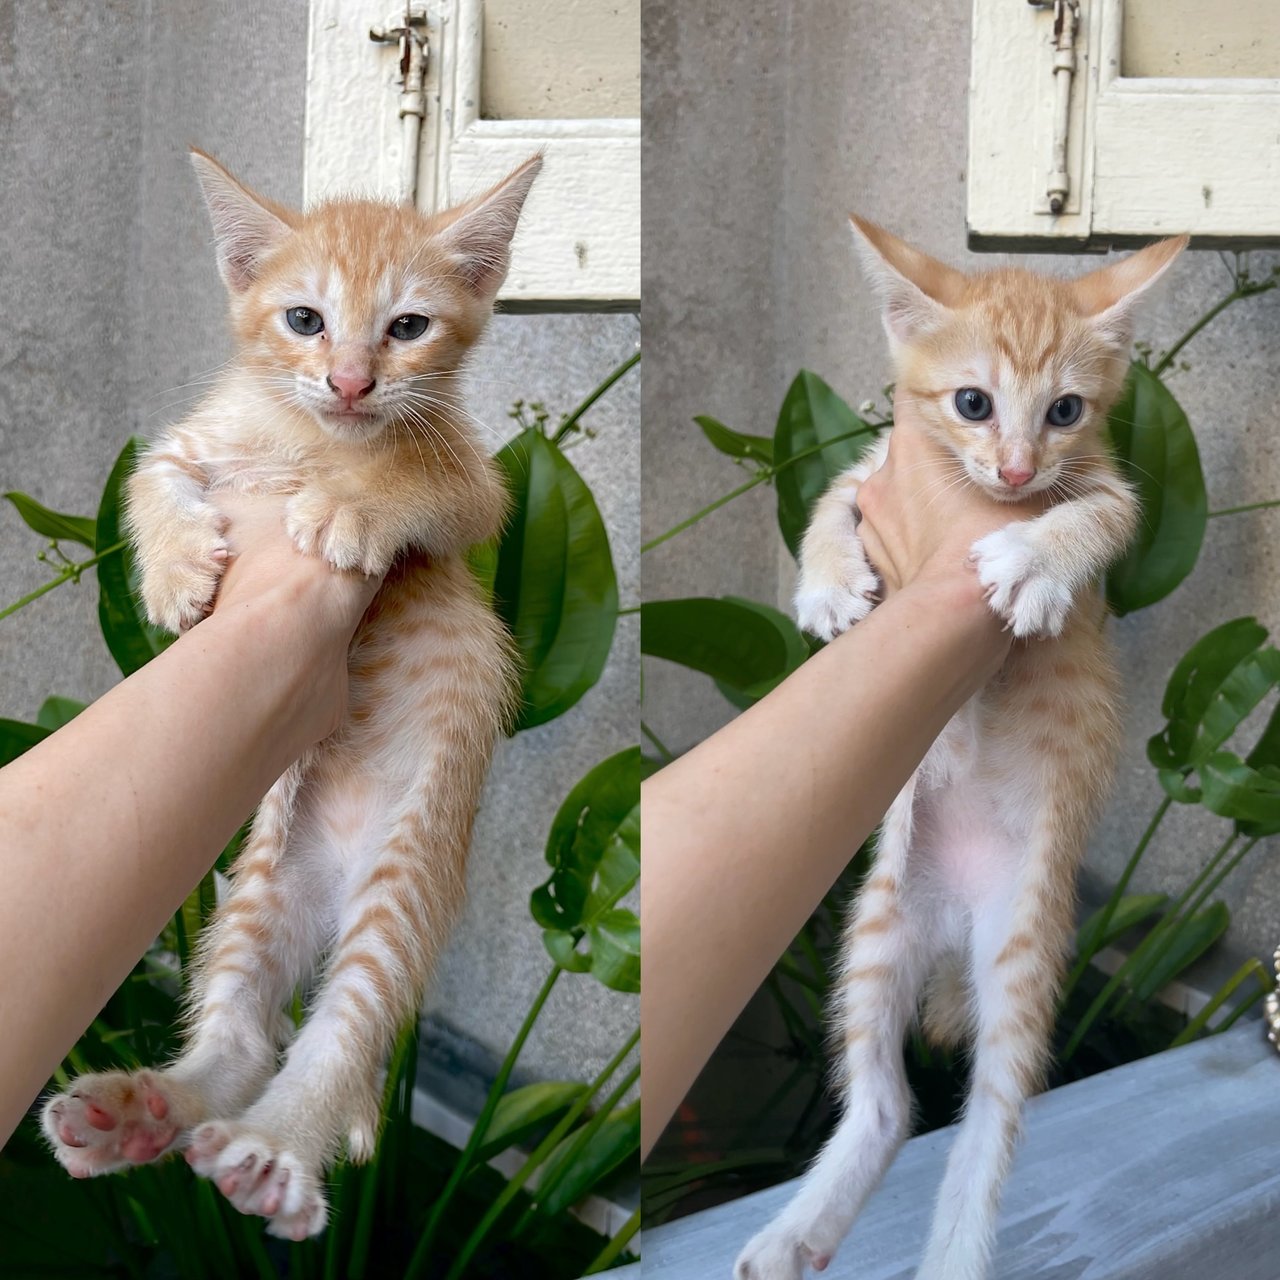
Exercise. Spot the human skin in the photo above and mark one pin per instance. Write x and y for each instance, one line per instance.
(745, 834)
(108, 824)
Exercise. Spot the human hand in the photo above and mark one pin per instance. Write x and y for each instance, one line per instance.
(921, 516)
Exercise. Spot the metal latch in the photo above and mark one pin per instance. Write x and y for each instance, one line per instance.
(409, 30)
(1066, 26)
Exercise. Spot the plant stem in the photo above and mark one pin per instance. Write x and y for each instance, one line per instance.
(572, 420)
(67, 574)
(467, 1156)
(1082, 962)
(604, 1259)
(666, 755)
(1249, 506)
(1246, 290)
(539, 1154)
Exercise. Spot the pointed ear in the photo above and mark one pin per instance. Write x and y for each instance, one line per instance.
(1110, 295)
(479, 232)
(916, 290)
(246, 227)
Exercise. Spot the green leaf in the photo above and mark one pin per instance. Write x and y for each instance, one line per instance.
(1131, 910)
(614, 1143)
(522, 1112)
(614, 939)
(735, 443)
(16, 736)
(812, 415)
(746, 647)
(799, 651)
(1189, 942)
(54, 524)
(482, 560)
(554, 583)
(1232, 789)
(1157, 452)
(55, 712)
(133, 641)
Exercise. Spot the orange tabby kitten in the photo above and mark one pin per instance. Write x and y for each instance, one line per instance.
(970, 903)
(350, 321)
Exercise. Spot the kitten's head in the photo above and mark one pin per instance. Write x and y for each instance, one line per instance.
(356, 309)
(1013, 372)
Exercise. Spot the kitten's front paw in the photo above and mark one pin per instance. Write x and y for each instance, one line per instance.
(114, 1120)
(1030, 600)
(337, 531)
(778, 1253)
(257, 1172)
(827, 608)
(179, 587)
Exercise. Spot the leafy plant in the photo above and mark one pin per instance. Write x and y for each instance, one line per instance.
(419, 1208)
(748, 648)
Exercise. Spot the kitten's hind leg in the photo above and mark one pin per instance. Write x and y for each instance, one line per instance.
(250, 958)
(891, 945)
(1017, 945)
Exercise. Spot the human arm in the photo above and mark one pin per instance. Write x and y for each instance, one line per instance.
(745, 834)
(108, 824)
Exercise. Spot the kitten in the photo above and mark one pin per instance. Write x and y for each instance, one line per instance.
(969, 907)
(350, 323)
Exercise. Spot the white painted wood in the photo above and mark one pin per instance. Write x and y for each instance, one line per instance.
(579, 238)
(1164, 1169)
(1151, 156)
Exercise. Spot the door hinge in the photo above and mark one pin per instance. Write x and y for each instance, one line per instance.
(408, 30)
(1066, 26)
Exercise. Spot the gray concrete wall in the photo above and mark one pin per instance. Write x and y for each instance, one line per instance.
(763, 128)
(111, 313)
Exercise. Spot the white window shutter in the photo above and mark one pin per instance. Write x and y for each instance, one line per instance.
(579, 240)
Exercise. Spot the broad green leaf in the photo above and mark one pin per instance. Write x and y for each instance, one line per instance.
(799, 652)
(1231, 789)
(1254, 679)
(812, 415)
(1157, 452)
(746, 646)
(614, 941)
(522, 1112)
(1195, 682)
(1131, 910)
(54, 524)
(614, 1143)
(1189, 942)
(1266, 751)
(133, 641)
(554, 583)
(16, 737)
(482, 560)
(735, 443)
(55, 712)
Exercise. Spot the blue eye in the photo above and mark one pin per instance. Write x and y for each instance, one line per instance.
(304, 321)
(406, 328)
(973, 404)
(1065, 411)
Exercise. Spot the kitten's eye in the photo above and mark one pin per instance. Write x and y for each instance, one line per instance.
(1065, 411)
(406, 328)
(973, 404)
(304, 321)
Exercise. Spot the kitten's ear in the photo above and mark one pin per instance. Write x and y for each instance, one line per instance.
(1110, 295)
(916, 290)
(246, 227)
(479, 232)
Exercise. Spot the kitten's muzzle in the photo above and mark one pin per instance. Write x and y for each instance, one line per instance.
(350, 387)
(1016, 477)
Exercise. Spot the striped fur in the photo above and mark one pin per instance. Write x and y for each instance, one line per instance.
(355, 866)
(970, 905)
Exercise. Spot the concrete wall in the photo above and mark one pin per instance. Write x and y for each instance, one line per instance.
(112, 312)
(763, 128)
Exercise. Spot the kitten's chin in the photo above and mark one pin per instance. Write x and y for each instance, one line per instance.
(350, 424)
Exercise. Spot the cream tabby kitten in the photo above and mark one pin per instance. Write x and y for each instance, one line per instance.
(970, 904)
(350, 323)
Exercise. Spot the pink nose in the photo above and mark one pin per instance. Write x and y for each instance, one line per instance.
(1016, 477)
(351, 386)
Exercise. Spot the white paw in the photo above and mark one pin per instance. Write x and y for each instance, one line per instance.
(259, 1175)
(337, 531)
(826, 609)
(1030, 600)
(178, 591)
(778, 1253)
(114, 1120)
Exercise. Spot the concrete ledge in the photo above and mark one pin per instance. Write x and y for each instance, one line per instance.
(1165, 1169)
